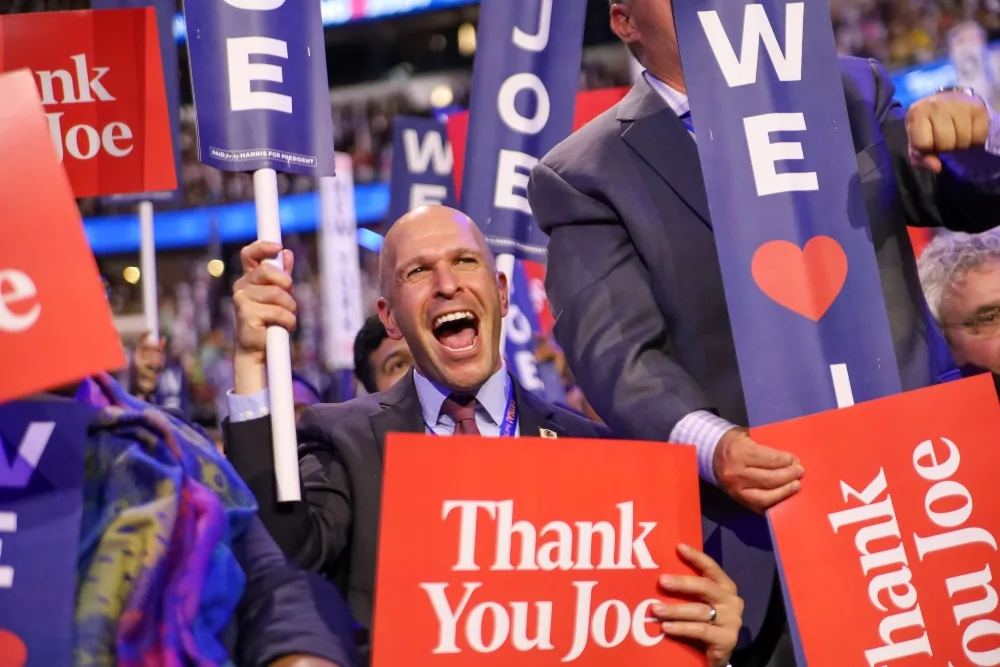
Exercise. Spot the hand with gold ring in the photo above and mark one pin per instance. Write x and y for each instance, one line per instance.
(713, 614)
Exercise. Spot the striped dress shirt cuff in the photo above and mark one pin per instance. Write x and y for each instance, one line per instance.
(245, 408)
(703, 430)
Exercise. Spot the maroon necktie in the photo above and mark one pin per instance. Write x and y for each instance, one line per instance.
(462, 410)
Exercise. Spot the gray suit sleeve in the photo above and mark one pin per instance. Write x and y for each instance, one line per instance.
(608, 323)
(964, 197)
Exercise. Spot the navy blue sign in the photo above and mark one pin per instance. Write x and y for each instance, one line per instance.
(787, 206)
(421, 166)
(171, 80)
(41, 506)
(260, 87)
(522, 328)
(523, 97)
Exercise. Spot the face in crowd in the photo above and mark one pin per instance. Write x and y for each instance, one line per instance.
(442, 292)
(390, 361)
(970, 316)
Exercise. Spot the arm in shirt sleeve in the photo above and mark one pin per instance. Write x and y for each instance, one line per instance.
(965, 196)
(615, 337)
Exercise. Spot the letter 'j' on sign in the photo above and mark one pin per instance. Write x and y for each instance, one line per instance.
(899, 511)
(105, 101)
(537, 553)
(56, 324)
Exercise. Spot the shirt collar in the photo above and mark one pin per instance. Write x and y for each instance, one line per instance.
(492, 396)
(676, 100)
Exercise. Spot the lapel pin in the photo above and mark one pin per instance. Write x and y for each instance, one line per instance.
(546, 433)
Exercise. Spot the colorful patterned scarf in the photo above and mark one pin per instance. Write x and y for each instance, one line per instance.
(158, 583)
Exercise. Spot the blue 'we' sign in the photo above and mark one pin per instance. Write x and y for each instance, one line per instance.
(41, 506)
(258, 68)
(787, 205)
(422, 164)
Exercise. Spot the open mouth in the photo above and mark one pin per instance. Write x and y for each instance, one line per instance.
(457, 331)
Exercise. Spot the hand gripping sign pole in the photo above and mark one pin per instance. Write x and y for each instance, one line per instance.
(258, 69)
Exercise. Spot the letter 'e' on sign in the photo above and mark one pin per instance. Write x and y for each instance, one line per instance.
(534, 553)
(56, 324)
(105, 100)
(899, 511)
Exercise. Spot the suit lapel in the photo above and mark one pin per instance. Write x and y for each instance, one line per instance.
(399, 412)
(652, 129)
(533, 414)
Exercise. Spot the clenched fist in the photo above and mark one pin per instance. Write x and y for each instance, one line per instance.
(948, 121)
(262, 298)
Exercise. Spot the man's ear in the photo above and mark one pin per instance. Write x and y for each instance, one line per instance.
(504, 286)
(388, 321)
(623, 25)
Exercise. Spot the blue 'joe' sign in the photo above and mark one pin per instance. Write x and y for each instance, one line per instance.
(260, 88)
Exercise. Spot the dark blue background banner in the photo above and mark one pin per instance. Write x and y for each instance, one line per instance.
(421, 165)
(260, 87)
(768, 203)
(171, 80)
(523, 97)
(40, 512)
(522, 332)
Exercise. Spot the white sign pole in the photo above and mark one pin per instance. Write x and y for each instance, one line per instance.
(505, 264)
(279, 352)
(147, 271)
(340, 272)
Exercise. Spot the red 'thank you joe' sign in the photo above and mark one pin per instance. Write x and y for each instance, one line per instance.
(100, 77)
(889, 551)
(55, 321)
(530, 551)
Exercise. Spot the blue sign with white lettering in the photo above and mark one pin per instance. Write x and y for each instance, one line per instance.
(261, 94)
(523, 97)
(171, 81)
(522, 329)
(421, 166)
(41, 507)
(787, 205)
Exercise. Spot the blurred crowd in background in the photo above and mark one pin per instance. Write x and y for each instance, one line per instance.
(196, 314)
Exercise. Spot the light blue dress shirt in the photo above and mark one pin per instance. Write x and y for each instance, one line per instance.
(491, 404)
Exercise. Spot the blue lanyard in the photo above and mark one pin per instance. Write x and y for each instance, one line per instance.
(509, 423)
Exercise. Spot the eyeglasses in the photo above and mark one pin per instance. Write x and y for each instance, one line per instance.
(984, 324)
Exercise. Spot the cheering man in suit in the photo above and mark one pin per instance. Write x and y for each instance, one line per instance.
(635, 284)
(442, 293)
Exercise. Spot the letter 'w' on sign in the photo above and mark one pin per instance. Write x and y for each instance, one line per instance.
(757, 27)
(422, 166)
(53, 330)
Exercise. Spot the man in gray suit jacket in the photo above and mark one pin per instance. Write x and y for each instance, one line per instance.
(635, 284)
(443, 294)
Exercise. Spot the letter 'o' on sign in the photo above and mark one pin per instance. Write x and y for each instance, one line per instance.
(505, 103)
(256, 5)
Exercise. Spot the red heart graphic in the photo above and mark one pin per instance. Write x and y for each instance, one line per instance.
(805, 281)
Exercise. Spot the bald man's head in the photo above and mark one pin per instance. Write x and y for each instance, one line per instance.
(431, 214)
(442, 293)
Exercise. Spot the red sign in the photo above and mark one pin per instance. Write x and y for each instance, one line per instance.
(589, 105)
(55, 322)
(100, 77)
(530, 551)
(890, 548)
